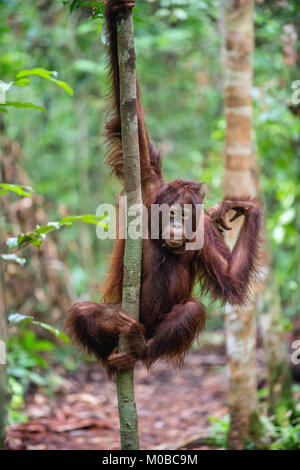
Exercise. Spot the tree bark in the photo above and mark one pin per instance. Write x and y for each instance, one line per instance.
(133, 247)
(240, 180)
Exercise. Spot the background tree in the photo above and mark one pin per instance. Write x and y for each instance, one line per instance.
(240, 180)
(242, 176)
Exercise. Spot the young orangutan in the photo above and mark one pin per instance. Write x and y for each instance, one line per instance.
(170, 318)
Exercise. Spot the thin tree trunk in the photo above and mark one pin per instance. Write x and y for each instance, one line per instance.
(3, 374)
(133, 248)
(240, 180)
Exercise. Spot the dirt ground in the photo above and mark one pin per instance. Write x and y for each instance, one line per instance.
(173, 407)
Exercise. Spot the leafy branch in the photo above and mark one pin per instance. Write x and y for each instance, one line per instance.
(96, 7)
(37, 236)
(19, 319)
(23, 80)
(43, 73)
(15, 188)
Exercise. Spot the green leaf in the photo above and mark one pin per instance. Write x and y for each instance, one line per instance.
(40, 72)
(138, 20)
(63, 85)
(42, 345)
(22, 82)
(34, 238)
(16, 188)
(13, 257)
(48, 75)
(86, 218)
(21, 104)
(19, 319)
(55, 331)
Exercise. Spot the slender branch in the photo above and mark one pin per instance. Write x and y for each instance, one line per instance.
(133, 248)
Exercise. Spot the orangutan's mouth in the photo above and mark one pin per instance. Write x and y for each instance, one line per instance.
(173, 243)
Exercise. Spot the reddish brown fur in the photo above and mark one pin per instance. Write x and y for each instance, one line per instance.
(150, 157)
(170, 318)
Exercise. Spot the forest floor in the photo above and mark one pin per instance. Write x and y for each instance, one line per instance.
(173, 407)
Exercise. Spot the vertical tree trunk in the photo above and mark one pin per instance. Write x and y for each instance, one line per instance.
(133, 248)
(240, 180)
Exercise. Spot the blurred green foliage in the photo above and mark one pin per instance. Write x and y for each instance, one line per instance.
(285, 437)
(178, 60)
(28, 365)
